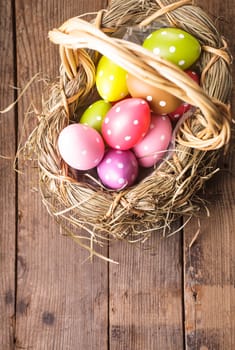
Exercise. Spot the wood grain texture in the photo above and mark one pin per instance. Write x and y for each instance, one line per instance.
(146, 295)
(61, 301)
(169, 297)
(210, 272)
(7, 181)
(209, 264)
(210, 269)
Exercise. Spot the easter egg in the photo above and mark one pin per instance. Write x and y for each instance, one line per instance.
(174, 45)
(118, 169)
(126, 123)
(110, 80)
(160, 101)
(154, 145)
(184, 107)
(81, 146)
(95, 113)
(194, 75)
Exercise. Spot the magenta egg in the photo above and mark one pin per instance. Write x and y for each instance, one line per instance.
(154, 145)
(126, 123)
(81, 146)
(118, 169)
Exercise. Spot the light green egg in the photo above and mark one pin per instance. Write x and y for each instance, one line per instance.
(111, 80)
(174, 45)
(93, 116)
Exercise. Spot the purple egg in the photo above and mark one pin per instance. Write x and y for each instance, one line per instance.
(118, 169)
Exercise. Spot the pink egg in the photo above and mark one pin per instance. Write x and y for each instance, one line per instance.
(126, 123)
(81, 146)
(153, 147)
(184, 107)
(118, 169)
(122, 99)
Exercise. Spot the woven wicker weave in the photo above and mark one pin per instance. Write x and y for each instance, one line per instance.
(78, 200)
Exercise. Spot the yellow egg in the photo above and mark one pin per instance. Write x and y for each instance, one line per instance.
(111, 80)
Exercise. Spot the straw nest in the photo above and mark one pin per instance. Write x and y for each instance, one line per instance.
(86, 210)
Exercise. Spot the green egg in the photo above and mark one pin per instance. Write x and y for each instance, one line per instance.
(95, 113)
(174, 45)
(111, 80)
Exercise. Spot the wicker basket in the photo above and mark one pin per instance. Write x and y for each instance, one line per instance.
(78, 200)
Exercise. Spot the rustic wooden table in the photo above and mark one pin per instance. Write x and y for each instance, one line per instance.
(171, 297)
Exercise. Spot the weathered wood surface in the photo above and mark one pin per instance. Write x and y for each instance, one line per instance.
(61, 302)
(7, 180)
(169, 297)
(146, 310)
(209, 265)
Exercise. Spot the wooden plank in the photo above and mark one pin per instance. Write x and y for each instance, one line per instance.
(146, 295)
(209, 264)
(61, 301)
(7, 181)
(209, 271)
(145, 308)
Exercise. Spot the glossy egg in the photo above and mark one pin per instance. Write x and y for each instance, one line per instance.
(184, 107)
(160, 101)
(194, 75)
(174, 45)
(110, 80)
(154, 145)
(81, 146)
(95, 113)
(126, 123)
(118, 169)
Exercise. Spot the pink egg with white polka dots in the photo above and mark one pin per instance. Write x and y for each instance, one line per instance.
(126, 123)
(154, 146)
(81, 146)
(118, 169)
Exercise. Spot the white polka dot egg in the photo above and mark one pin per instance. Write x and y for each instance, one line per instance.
(184, 107)
(174, 45)
(110, 80)
(126, 123)
(160, 101)
(93, 116)
(118, 169)
(153, 147)
(81, 146)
